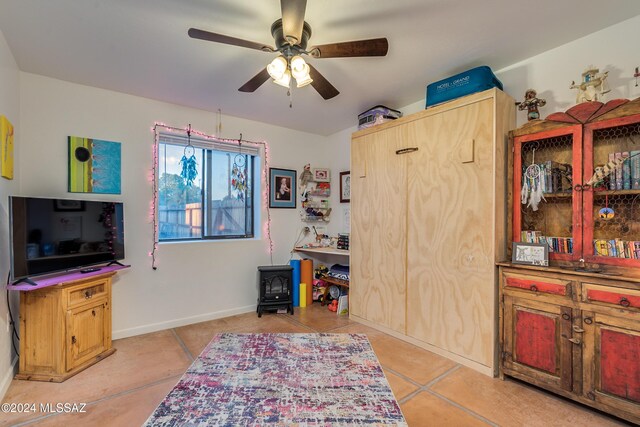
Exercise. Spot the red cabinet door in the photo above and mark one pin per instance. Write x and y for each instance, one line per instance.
(538, 343)
(612, 360)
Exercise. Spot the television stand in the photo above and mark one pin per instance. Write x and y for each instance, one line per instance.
(65, 327)
(114, 262)
(24, 280)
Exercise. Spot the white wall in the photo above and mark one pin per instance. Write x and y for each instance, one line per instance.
(550, 73)
(10, 108)
(194, 281)
(614, 49)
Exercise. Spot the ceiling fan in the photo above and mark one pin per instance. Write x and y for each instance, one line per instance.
(291, 35)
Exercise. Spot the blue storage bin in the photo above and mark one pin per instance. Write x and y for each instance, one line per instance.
(471, 81)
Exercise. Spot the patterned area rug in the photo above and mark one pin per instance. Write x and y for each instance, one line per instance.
(283, 380)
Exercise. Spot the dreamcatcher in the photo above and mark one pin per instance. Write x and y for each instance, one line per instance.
(239, 172)
(533, 181)
(188, 162)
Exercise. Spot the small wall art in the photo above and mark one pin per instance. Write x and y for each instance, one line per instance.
(345, 187)
(530, 253)
(282, 188)
(6, 146)
(94, 166)
(321, 174)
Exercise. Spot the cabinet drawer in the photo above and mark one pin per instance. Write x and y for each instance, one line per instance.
(611, 296)
(537, 284)
(86, 293)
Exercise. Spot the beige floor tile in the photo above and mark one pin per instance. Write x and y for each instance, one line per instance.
(138, 361)
(271, 323)
(411, 361)
(319, 318)
(399, 385)
(131, 409)
(519, 404)
(359, 328)
(425, 410)
(195, 337)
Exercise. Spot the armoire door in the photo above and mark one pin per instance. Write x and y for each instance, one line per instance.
(453, 180)
(378, 228)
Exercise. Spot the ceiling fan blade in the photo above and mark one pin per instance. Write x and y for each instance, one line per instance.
(255, 82)
(322, 85)
(221, 38)
(293, 19)
(371, 47)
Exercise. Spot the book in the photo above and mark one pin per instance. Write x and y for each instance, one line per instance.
(626, 171)
(635, 169)
(618, 158)
(612, 176)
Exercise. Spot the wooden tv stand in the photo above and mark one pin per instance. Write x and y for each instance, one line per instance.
(66, 327)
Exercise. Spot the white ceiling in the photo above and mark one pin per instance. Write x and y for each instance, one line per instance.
(141, 47)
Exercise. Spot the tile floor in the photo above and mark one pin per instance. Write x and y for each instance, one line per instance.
(125, 388)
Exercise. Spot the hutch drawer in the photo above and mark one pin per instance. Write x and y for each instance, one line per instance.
(611, 296)
(86, 292)
(537, 285)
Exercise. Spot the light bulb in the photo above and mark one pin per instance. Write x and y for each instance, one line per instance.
(277, 67)
(284, 79)
(303, 80)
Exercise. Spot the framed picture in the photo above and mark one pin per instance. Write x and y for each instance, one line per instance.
(282, 188)
(530, 253)
(321, 174)
(62, 205)
(345, 187)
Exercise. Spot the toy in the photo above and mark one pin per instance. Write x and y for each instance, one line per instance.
(305, 176)
(531, 103)
(333, 306)
(593, 85)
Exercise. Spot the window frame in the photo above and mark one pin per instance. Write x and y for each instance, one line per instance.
(209, 146)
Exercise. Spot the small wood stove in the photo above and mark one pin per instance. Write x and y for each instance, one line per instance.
(276, 288)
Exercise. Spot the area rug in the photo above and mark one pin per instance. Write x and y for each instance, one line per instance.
(282, 380)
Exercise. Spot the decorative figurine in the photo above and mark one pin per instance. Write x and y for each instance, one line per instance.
(593, 85)
(636, 75)
(531, 103)
(305, 176)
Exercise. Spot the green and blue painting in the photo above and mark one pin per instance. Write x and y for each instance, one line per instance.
(94, 166)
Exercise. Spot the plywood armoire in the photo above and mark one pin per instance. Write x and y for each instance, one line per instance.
(428, 224)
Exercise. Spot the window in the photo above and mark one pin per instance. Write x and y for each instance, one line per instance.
(219, 204)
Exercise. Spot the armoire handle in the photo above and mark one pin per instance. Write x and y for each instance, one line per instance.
(407, 150)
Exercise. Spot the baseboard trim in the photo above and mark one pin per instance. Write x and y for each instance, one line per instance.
(487, 370)
(154, 327)
(8, 377)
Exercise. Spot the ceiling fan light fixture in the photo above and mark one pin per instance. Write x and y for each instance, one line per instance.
(303, 80)
(284, 79)
(277, 68)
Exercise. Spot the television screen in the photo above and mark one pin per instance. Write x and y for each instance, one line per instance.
(51, 235)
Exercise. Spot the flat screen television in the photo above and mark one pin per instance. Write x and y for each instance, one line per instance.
(55, 235)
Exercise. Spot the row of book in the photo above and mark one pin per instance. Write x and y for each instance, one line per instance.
(627, 173)
(617, 248)
(554, 177)
(559, 245)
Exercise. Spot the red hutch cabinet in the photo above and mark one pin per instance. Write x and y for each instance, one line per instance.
(573, 327)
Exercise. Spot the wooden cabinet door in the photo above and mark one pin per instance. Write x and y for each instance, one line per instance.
(378, 228)
(612, 361)
(451, 244)
(537, 346)
(88, 332)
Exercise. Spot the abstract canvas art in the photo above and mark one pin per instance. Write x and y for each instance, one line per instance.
(94, 166)
(6, 146)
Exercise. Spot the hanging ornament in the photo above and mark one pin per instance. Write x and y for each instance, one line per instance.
(188, 161)
(533, 181)
(239, 172)
(606, 213)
